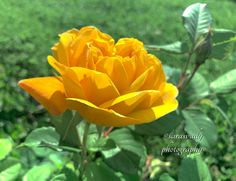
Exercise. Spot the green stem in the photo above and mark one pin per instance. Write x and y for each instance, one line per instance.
(192, 75)
(100, 130)
(69, 125)
(84, 159)
(183, 74)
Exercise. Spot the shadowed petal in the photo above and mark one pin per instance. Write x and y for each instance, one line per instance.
(132, 101)
(114, 68)
(93, 86)
(60, 68)
(99, 116)
(148, 115)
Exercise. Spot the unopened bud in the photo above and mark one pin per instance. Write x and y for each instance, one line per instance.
(203, 49)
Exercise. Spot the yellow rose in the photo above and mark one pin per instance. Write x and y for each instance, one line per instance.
(109, 84)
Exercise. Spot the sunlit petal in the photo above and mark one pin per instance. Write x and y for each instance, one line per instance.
(48, 91)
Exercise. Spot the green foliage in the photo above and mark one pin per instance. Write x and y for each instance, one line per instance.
(125, 140)
(39, 172)
(166, 177)
(197, 89)
(176, 47)
(198, 123)
(193, 168)
(127, 150)
(161, 126)
(67, 131)
(10, 169)
(6, 147)
(100, 172)
(225, 83)
(35, 138)
(223, 43)
(197, 20)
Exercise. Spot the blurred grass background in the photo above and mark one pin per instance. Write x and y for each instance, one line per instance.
(28, 29)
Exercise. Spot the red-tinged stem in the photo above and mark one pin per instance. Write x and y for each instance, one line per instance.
(105, 134)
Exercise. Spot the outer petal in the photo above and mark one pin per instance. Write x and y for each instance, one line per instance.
(132, 101)
(91, 85)
(48, 91)
(170, 92)
(100, 116)
(151, 114)
(61, 50)
(167, 104)
(60, 68)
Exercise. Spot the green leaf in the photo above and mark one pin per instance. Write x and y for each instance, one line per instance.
(223, 43)
(176, 47)
(166, 177)
(125, 140)
(225, 83)
(124, 149)
(212, 104)
(9, 169)
(197, 20)
(6, 147)
(124, 161)
(69, 173)
(128, 177)
(193, 168)
(99, 172)
(198, 124)
(46, 135)
(172, 74)
(161, 126)
(197, 89)
(60, 177)
(66, 126)
(40, 172)
(96, 143)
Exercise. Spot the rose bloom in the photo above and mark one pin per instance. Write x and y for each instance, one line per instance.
(110, 84)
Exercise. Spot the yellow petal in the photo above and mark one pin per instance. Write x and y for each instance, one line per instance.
(93, 53)
(91, 85)
(130, 67)
(139, 82)
(60, 68)
(156, 76)
(151, 114)
(105, 43)
(99, 116)
(113, 67)
(127, 47)
(62, 48)
(161, 107)
(170, 92)
(132, 101)
(48, 91)
(90, 35)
